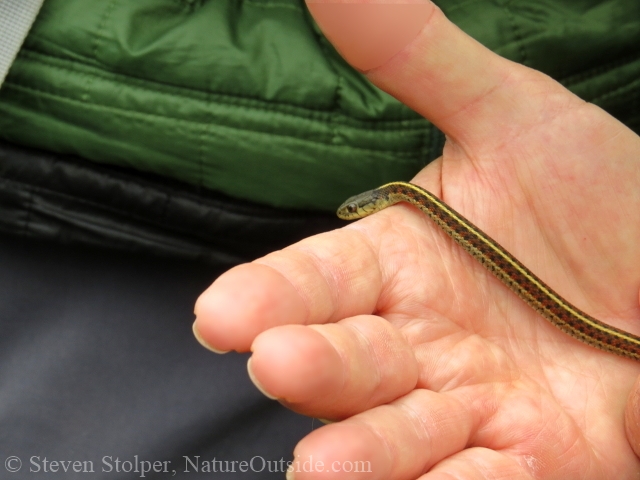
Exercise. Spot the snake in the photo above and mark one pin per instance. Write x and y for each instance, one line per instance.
(497, 260)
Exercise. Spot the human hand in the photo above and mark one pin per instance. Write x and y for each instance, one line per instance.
(431, 364)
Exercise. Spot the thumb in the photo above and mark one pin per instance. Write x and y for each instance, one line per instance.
(409, 49)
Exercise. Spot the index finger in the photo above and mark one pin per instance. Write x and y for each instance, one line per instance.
(321, 279)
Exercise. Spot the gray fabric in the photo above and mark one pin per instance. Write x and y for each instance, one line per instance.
(16, 18)
(97, 360)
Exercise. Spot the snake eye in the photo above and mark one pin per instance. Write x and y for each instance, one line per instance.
(352, 208)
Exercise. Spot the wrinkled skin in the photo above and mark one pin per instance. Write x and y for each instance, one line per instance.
(430, 367)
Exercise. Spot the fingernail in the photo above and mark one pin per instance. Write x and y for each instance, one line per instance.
(290, 474)
(257, 383)
(367, 35)
(325, 421)
(201, 341)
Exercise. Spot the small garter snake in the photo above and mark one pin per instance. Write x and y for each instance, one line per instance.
(498, 261)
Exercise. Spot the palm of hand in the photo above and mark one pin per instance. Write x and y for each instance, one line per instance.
(551, 406)
(445, 369)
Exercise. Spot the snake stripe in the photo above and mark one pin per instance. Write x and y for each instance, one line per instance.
(537, 294)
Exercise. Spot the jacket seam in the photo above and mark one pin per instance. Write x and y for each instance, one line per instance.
(337, 93)
(178, 92)
(619, 91)
(95, 44)
(34, 189)
(517, 34)
(409, 154)
(594, 72)
(274, 5)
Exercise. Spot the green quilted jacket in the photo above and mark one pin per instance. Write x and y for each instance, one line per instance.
(246, 97)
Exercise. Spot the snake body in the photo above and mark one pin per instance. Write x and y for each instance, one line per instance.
(542, 298)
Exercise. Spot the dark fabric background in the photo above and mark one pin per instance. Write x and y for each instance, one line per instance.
(97, 359)
(75, 202)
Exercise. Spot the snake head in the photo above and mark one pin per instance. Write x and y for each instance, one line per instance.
(359, 206)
